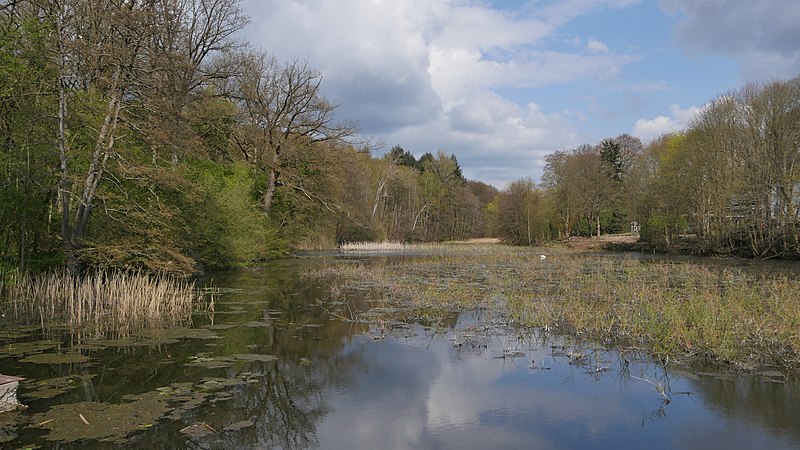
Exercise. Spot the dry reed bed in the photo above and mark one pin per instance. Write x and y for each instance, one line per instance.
(103, 301)
(403, 247)
(673, 310)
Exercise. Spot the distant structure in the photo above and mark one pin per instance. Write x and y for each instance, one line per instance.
(8, 393)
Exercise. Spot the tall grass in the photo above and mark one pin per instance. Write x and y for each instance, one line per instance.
(103, 301)
(674, 310)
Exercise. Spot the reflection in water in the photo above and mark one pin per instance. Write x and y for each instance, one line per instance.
(347, 385)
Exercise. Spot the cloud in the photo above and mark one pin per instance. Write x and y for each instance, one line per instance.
(762, 36)
(643, 87)
(649, 129)
(494, 139)
(427, 74)
(596, 46)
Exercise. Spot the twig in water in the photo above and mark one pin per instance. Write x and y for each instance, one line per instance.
(659, 388)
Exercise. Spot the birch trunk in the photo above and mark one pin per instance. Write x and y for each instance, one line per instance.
(97, 165)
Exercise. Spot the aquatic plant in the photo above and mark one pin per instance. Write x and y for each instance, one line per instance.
(678, 311)
(104, 301)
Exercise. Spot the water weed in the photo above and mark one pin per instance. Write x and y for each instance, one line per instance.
(675, 310)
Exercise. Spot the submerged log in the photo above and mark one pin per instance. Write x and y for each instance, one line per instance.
(8, 393)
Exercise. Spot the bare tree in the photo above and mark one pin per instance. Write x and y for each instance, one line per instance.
(282, 110)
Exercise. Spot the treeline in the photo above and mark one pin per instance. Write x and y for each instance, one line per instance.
(142, 134)
(423, 200)
(728, 185)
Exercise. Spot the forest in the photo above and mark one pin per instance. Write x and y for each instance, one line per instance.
(143, 135)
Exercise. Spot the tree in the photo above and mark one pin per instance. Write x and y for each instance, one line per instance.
(522, 219)
(283, 111)
(26, 130)
(402, 157)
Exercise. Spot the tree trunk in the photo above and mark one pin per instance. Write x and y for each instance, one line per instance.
(97, 166)
(598, 225)
(269, 195)
(64, 184)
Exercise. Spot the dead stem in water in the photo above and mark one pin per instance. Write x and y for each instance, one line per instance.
(674, 310)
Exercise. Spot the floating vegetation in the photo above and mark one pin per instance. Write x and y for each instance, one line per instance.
(198, 430)
(221, 362)
(55, 358)
(238, 426)
(252, 357)
(51, 387)
(101, 421)
(104, 301)
(220, 326)
(177, 333)
(211, 362)
(17, 349)
(675, 310)
(119, 423)
(9, 424)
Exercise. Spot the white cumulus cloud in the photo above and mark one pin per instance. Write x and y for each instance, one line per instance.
(679, 119)
(597, 46)
(428, 74)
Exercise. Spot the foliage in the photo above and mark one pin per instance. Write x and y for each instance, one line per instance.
(521, 214)
(225, 226)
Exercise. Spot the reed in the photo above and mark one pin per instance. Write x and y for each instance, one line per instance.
(104, 301)
(379, 247)
(423, 247)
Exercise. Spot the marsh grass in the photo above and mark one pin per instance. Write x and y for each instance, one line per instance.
(103, 302)
(678, 311)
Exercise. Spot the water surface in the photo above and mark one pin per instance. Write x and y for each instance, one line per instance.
(334, 384)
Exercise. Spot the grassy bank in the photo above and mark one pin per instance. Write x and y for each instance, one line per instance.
(102, 301)
(675, 310)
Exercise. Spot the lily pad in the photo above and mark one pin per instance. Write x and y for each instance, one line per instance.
(257, 324)
(216, 384)
(56, 358)
(13, 334)
(51, 387)
(100, 421)
(210, 362)
(221, 326)
(240, 311)
(23, 348)
(9, 423)
(198, 430)
(177, 333)
(237, 426)
(255, 357)
(127, 341)
(91, 346)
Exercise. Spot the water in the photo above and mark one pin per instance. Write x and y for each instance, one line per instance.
(336, 384)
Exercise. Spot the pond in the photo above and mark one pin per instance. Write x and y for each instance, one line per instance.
(275, 366)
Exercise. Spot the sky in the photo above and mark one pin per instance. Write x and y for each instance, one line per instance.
(501, 84)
